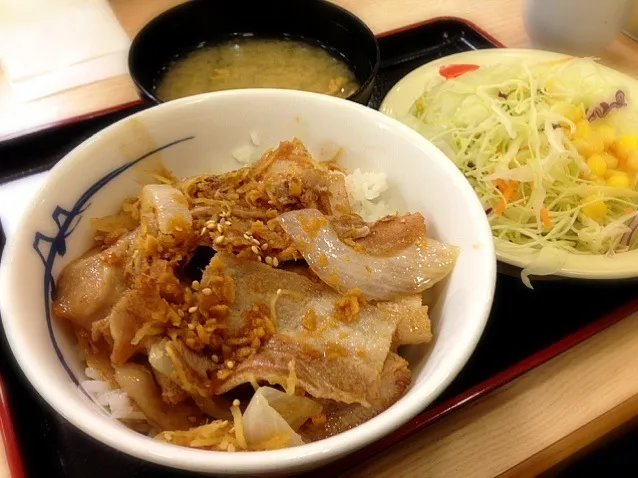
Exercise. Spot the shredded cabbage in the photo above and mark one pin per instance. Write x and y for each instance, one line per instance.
(508, 128)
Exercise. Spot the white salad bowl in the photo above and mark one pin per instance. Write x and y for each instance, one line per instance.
(197, 135)
(397, 105)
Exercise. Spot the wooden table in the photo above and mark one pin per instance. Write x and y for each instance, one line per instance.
(536, 421)
(501, 18)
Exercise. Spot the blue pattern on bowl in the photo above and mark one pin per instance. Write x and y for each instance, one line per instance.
(67, 220)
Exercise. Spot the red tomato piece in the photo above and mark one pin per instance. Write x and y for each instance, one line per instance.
(452, 71)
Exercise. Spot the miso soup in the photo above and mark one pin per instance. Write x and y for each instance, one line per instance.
(257, 63)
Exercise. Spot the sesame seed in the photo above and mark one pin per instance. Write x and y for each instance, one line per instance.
(264, 246)
(203, 231)
(220, 228)
(191, 326)
(192, 309)
(256, 241)
(219, 239)
(230, 364)
(247, 237)
(255, 249)
(215, 358)
(236, 403)
(178, 229)
(180, 312)
(259, 258)
(275, 262)
(269, 260)
(207, 291)
(195, 284)
(228, 223)
(211, 225)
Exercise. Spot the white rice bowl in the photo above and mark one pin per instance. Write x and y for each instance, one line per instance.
(198, 135)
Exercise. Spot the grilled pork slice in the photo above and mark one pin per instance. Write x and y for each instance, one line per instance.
(339, 417)
(89, 286)
(335, 345)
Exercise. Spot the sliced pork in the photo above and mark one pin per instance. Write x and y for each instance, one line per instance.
(339, 417)
(337, 351)
(87, 289)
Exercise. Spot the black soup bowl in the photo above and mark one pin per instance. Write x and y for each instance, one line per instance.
(196, 23)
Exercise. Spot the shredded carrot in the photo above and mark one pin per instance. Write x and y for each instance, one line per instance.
(500, 184)
(508, 190)
(547, 222)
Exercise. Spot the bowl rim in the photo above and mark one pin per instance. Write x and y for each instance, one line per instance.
(306, 456)
(155, 21)
(578, 266)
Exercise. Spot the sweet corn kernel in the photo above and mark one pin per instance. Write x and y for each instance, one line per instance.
(584, 147)
(607, 134)
(575, 114)
(569, 111)
(583, 129)
(632, 161)
(597, 143)
(594, 207)
(597, 164)
(625, 145)
(611, 172)
(610, 159)
(618, 180)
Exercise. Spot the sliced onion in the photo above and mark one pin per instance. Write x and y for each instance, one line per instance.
(295, 409)
(262, 423)
(169, 206)
(549, 261)
(412, 270)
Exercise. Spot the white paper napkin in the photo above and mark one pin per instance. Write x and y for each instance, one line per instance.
(14, 198)
(47, 46)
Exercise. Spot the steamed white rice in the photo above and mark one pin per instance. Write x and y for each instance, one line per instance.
(365, 191)
(114, 401)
